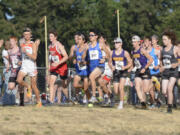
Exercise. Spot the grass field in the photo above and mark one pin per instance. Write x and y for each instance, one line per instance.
(58, 120)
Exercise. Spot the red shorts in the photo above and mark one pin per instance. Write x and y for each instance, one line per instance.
(107, 78)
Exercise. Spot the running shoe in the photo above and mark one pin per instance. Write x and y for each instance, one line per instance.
(29, 94)
(39, 104)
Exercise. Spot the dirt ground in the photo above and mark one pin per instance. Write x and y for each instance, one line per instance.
(76, 120)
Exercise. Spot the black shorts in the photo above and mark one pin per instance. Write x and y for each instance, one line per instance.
(12, 79)
(145, 75)
(56, 74)
(169, 73)
(156, 75)
(119, 74)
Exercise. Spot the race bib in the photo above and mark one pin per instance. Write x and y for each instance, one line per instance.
(167, 63)
(119, 65)
(55, 59)
(82, 66)
(94, 54)
(15, 62)
(152, 65)
(137, 64)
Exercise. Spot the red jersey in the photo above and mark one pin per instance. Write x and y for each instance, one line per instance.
(55, 57)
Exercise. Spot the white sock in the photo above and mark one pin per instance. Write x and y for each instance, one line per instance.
(121, 104)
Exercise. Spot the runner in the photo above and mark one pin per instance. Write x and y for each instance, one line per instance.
(120, 62)
(15, 61)
(96, 61)
(81, 67)
(142, 61)
(29, 55)
(105, 79)
(58, 65)
(154, 70)
(169, 67)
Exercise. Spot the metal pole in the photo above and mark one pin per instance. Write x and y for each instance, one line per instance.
(46, 50)
(118, 23)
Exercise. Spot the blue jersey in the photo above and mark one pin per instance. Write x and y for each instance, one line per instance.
(119, 60)
(81, 69)
(155, 63)
(95, 55)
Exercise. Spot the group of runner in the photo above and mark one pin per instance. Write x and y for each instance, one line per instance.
(156, 67)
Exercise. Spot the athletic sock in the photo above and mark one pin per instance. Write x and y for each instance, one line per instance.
(21, 99)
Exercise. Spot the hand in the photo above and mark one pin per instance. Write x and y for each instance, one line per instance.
(1, 42)
(113, 68)
(55, 64)
(102, 61)
(19, 63)
(174, 65)
(161, 69)
(23, 50)
(37, 42)
(142, 70)
(156, 67)
(74, 61)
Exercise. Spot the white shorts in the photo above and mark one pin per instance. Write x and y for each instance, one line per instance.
(29, 68)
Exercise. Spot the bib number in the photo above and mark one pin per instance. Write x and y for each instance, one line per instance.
(81, 66)
(167, 63)
(15, 63)
(119, 65)
(94, 55)
(137, 64)
(55, 59)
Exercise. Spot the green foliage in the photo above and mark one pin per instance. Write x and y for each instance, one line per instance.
(142, 17)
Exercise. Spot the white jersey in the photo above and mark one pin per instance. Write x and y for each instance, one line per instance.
(5, 54)
(107, 69)
(28, 65)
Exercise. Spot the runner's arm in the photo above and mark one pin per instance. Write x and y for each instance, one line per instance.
(129, 60)
(150, 60)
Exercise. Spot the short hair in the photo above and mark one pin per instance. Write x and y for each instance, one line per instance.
(155, 36)
(54, 32)
(146, 37)
(27, 29)
(13, 37)
(82, 35)
(171, 35)
(94, 31)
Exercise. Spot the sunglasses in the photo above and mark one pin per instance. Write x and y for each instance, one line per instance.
(92, 35)
(117, 42)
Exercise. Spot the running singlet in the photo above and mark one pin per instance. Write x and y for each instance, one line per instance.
(168, 58)
(95, 55)
(81, 69)
(107, 69)
(140, 60)
(119, 60)
(15, 58)
(55, 57)
(178, 58)
(154, 63)
(28, 48)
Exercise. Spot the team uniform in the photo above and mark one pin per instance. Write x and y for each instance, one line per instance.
(28, 66)
(140, 62)
(154, 72)
(81, 69)
(107, 75)
(118, 61)
(56, 56)
(168, 58)
(94, 56)
(14, 58)
(178, 58)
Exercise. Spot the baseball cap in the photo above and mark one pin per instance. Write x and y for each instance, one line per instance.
(118, 39)
(136, 38)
